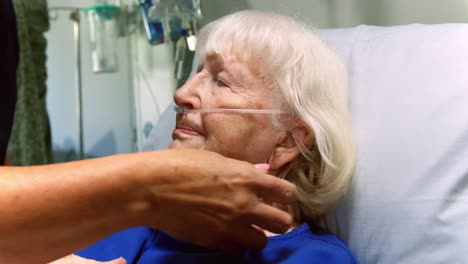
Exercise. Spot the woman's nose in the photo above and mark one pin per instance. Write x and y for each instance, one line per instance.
(188, 96)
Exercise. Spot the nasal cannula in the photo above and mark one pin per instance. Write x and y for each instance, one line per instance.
(227, 110)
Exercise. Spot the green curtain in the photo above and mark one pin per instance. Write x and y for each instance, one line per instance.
(30, 142)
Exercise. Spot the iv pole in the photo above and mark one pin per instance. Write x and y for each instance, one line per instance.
(75, 17)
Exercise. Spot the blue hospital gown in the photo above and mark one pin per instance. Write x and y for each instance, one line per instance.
(145, 245)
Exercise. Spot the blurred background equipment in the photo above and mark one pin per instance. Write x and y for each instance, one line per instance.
(153, 47)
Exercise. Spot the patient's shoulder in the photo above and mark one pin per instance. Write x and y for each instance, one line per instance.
(306, 243)
(127, 243)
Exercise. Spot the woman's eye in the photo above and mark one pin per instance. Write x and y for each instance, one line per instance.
(221, 83)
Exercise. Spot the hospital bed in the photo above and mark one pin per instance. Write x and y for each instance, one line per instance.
(409, 101)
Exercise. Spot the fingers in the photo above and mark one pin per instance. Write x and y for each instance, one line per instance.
(273, 189)
(74, 259)
(230, 236)
(117, 261)
(243, 237)
(269, 218)
(263, 167)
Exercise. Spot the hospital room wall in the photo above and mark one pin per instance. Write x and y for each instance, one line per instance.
(107, 98)
(348, 13)
(115, 123)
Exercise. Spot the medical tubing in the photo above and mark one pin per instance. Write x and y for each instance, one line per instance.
(227, 110)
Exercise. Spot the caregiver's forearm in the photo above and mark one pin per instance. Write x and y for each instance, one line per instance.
(50, 211)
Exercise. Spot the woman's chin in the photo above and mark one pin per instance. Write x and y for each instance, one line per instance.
(183, 144)
(174, 145)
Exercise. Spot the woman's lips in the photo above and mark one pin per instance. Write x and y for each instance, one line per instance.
(185, 130)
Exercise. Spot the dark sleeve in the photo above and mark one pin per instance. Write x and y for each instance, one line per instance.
(128, 244)
(8, 65)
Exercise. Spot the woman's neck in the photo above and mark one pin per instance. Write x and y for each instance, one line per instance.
(294, 211)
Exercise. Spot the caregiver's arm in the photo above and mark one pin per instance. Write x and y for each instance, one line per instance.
(50, 211)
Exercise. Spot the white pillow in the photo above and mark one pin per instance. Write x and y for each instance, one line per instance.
(409, 94)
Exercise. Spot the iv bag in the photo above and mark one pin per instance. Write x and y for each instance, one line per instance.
(102, 20)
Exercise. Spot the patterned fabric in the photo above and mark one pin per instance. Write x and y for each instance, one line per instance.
(30, 141)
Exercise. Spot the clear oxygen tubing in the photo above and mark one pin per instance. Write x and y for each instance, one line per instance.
(226, 110)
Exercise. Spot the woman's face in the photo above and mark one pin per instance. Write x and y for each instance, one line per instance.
(226, 82)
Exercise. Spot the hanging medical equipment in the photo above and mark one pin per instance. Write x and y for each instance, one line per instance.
(102, 20)
(164, 21)
(153, 27)
(170, 20)
(103, 31)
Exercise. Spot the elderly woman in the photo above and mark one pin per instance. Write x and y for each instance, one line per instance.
(267, 91)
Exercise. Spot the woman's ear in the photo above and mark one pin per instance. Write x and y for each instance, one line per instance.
(286, 149)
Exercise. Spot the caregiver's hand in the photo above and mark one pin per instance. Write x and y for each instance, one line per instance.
(213, 201)
(74, 259)
(194, 195)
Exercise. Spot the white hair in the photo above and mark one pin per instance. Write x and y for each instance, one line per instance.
(307, 80)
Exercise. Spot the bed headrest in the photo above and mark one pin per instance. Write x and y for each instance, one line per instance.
(409, 96)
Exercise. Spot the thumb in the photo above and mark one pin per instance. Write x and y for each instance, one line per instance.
(117, 261)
